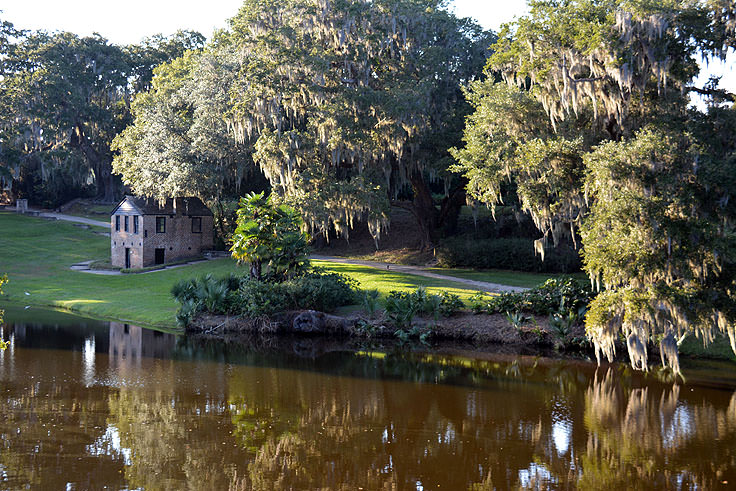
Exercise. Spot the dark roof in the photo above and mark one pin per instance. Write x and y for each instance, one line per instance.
(184, 206)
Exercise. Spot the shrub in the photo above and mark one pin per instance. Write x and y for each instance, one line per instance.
(317, 290)
(209, 293)
(186, 312)
(370, 302)
(451, 304)
(479, 302)
(205, 294)
(257, 298)
(212, 293)
(321, 290)
(401, 307)
(506, 253)
(556, 295)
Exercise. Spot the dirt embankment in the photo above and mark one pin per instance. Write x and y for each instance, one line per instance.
(465, 327)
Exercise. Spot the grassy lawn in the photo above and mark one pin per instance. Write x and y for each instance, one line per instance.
(36, 255)
(386, 281)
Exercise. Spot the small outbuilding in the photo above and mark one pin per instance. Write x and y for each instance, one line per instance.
(143, 233)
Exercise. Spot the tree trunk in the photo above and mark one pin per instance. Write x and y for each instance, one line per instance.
(450, 210)
(424, 210)
(432, 221)
(256, 269)
(100, 164)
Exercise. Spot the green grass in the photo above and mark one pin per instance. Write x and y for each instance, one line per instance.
(503, 277)
(94, 212)
(719, 349)
(36, 255)
(386, 281)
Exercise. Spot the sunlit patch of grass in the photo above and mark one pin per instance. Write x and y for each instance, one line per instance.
(79, 301)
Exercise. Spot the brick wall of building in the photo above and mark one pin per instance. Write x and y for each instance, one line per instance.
(120, 240)
(178, 241)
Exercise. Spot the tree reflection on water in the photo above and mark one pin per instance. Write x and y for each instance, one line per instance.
(133, 408)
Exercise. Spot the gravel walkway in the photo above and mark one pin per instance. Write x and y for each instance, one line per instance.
(72, 218)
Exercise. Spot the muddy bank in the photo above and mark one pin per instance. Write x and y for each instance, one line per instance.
(469, 329)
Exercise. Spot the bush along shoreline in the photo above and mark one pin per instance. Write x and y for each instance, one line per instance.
(550, 315)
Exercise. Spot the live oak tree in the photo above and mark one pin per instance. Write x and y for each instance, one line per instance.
(62, 100)
(179, 143)
(591, 122)
(343, 99)
(343, 106)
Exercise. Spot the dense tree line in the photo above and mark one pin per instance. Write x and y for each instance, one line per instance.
(581, 119)
(63, 98)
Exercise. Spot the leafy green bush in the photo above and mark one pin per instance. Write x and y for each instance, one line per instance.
(187, 310)
(556, 295)
(205, 293)
(451, 304)
(316, 290)
(370, 302)
(257, 298)
(505, 253)
(322, 290)
(401, 307)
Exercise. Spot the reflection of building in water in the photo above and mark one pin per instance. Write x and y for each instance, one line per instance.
(128, 343)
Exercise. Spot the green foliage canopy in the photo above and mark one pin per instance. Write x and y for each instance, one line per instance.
(62, 100)
(338, 97)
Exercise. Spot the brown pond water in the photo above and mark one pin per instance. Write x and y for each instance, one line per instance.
(92, 405)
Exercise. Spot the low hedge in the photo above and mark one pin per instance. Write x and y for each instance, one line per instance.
(316, 290)
(508, 253)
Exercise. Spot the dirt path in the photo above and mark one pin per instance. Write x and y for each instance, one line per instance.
(72, 218)
(419, 271)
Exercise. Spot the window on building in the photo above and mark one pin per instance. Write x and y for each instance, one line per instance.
(135, 224)
(117, 223)
(196, 225)
(160, 225)
(126, 222)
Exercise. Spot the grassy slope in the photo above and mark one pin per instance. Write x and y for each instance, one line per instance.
(37, 253)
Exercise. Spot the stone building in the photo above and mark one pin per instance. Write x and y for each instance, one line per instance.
(143, 233)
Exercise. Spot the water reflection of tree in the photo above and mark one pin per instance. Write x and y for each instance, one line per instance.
(370, 419)
(50, 424)
(312, 431)
(174, 434)
(652, 436)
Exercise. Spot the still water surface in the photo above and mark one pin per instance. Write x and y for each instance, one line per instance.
(88, 405)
